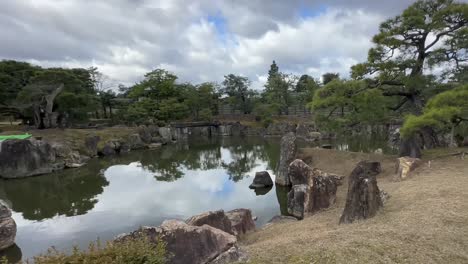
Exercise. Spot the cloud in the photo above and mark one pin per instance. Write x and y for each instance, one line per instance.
(197, 40)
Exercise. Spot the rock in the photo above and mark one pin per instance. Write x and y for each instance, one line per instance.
(262, 180)
(23, 158)
(384, 196)
(241, 221)
(154, 145)
(91, 145)
(216, 219)
(110, 148)
(319, 191)
(135, 142)
(364, 198)
(378, 151)
(306, 132)
(71, 159)
(232, 255)
(299, 172)
(405, 165)
(297, 199)
(280, 129)
(327, 146)
(7, 227)
(410, 147)
(287, 154)
(190, 244)
(166, 133)
(145, 134)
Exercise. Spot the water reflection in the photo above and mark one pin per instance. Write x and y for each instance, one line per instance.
(114, 195)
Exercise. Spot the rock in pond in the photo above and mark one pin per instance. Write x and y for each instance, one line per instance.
(287, 154)
(262, 180)
(191, 244)
(7, 227)
(23, 158)
(216, 219)
(364, 198)
(241, 221)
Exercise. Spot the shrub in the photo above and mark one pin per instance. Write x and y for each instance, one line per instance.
(137, 251)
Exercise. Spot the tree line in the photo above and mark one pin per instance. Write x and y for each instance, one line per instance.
(416, 72)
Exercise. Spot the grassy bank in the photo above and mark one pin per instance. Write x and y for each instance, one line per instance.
(425, 220)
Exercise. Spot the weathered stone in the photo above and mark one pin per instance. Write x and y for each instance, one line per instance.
(7, 227)
(135, 142)
(232, 255)
(216, 219)
(91, 145)
(287, 154)
(262, 180)
(188, 244)
(315, 136)
(166, 133)
(280, 129)
(145, 134)
(71, 159)
(299, 172)
(241, 221)
(22, 158)
(297, 199)
(110, 148)
(364, 198)
(405, 165)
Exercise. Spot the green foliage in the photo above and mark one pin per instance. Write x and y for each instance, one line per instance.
(237, 89)
(264, 113)
(328, 77)
(138, 251)
(445, 110)
(343, 103)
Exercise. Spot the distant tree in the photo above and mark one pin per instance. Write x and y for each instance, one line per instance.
(237, 88)
(328, 77)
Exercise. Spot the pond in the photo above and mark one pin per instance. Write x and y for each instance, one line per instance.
(109, 196)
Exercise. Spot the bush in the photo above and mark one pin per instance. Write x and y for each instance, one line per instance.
(138, 251)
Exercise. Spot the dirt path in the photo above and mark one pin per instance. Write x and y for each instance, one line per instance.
(425, 220)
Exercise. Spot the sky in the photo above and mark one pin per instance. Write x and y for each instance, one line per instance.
(199, 40)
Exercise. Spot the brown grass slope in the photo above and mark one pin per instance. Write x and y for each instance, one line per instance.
(425, 220)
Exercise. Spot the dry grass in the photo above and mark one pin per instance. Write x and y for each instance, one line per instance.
(425, 220)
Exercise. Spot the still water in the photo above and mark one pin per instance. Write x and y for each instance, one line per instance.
(113, 195)
(109, 196)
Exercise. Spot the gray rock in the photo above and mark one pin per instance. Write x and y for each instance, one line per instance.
(190, 244)
(112, 147)
(166, 133)
(216, 219)
(232, 255)
(241, 221)
(297, 199)
(24, 158)
(364, 198)
(287, 154)
(299, 172)
(134, 141)
(145, 134)
(7, 227)
(91, 145)
(262, 180)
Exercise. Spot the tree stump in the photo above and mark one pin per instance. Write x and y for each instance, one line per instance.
(363, 199)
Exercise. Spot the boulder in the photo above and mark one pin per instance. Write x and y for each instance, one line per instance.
(71, 159)
(134, 141)
(315, 136)
(262, 180)
(216, 219)
(91, 145)
(241, 221)
(166, 133)
(110, 148)
(23, 158)
(7, 227)
(287, 154)
(313, 189)
(262, 191)
(145, 134)
(405, 165)
(297, 200)
(364, 197)
(190, 244)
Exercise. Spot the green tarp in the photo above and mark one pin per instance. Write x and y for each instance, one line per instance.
(23, 136)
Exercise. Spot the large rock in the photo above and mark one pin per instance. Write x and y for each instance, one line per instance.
(22, 158)
(7, 227)
(405, 165)
(70, 158)
(166, 133)
(91, 145)
(145, 134)
(313, 189)
(298, 200)
(111, 147)
(241, 221)
(307, 132)
(190, 244)
(216, 219)
(287, 154)
(262, 180)
(364, 197)
(134, 141)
